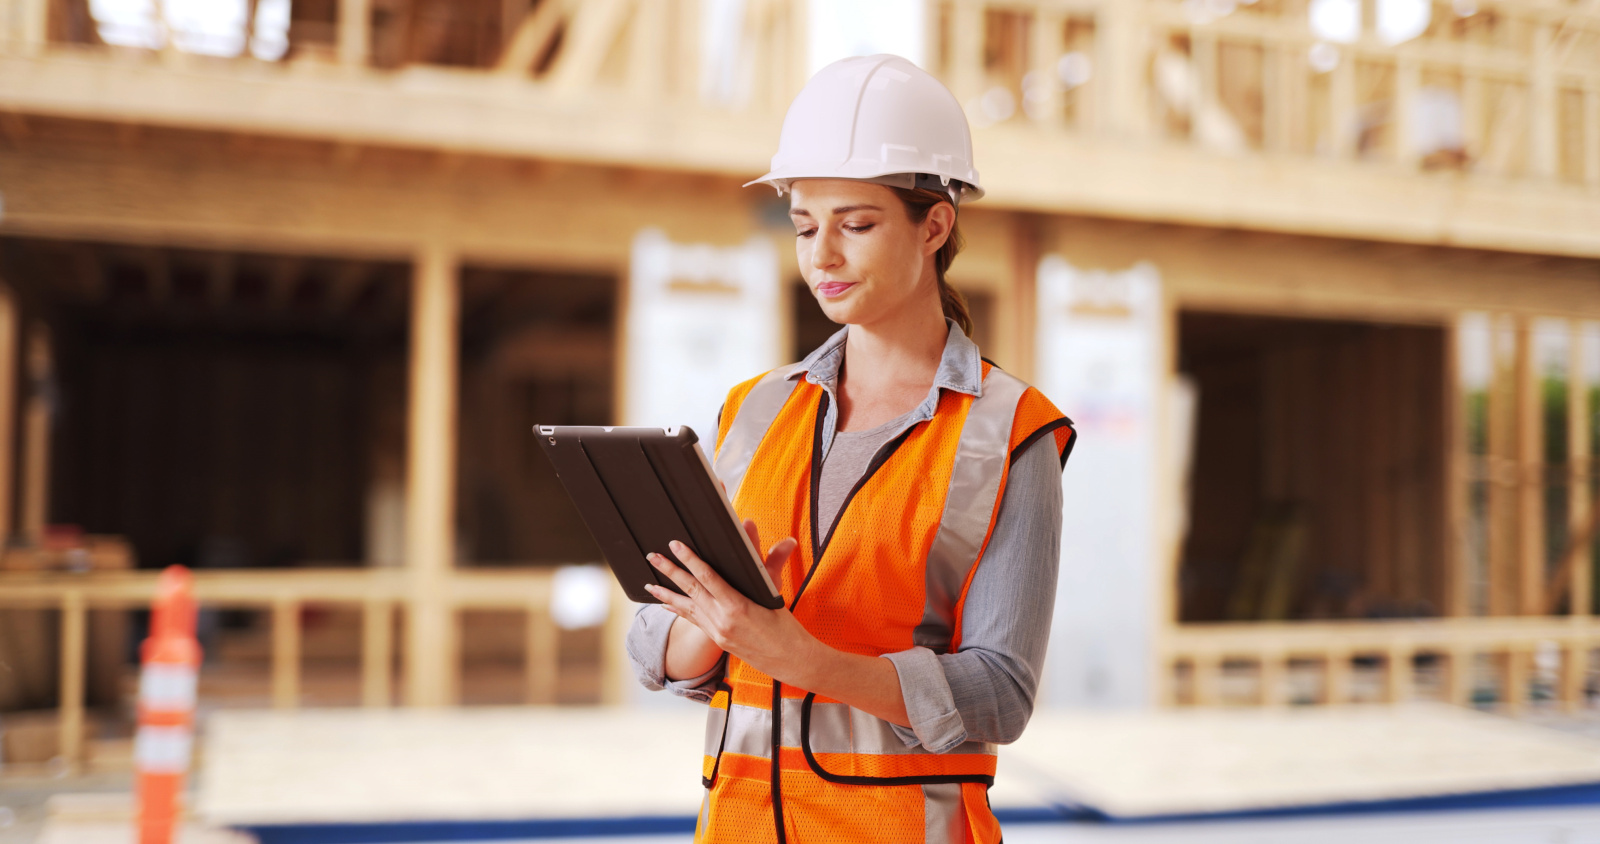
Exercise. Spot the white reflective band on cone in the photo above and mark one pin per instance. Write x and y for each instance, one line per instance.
(162, 750)
(167, 688)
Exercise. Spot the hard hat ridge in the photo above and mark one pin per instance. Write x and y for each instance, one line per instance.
(877, 119)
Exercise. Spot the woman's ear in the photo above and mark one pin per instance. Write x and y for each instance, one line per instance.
(936, 228)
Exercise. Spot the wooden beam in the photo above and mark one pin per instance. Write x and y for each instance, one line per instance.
(532, 37)
(431, 476)
(591, 34)
(1343, 114)
(1399, 674)
(1079, 174)
(1207, 679)
(1044, 53)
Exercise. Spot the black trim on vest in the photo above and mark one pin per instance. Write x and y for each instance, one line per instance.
(842, 779)
(1048, 428)
(777, 770)
(1067, 452)
(716, 764)
(816, 481)
(885, 451)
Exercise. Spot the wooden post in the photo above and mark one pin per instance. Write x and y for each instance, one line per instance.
(355, 33)
(615, 674)
(1591, 137)
(1045, 51)
(1578, 504)
(1544, 136)
(966, 52)
(647, 49)
(377, 652)
(36, 436)
(1530, 564)
(1207, 678)
(1407, 81)
(8, 409)
(33, 24)
(431, 478)
(1203, 55)
(543, 654)
(74, 642)
(1274, 678)
(1574, 673)
(285, 653)
(1121, 107)
(1342, 105)
(1459, 688)
(1398, 674)
(1458, 580)
(1336, 677)
(1518, 674)
(1501, 417)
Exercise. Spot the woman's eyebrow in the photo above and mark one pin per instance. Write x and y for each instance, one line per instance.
(843, 209)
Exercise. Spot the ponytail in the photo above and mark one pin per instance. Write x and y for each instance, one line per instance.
(918, 203)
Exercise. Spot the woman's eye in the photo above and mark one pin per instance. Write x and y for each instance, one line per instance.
(859, 229)
(805, 233)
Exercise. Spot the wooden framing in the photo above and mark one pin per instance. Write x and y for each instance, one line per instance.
(430, 477)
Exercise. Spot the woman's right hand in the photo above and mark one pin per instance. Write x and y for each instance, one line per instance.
(690, 652)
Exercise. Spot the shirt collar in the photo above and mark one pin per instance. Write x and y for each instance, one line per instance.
(960, 367)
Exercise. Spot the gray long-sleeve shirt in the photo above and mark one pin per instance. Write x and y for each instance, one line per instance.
(985, 690)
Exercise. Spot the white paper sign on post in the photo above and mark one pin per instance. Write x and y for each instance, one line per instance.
(700, 320)
(1099, 360)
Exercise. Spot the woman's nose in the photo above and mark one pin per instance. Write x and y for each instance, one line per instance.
(825, 252)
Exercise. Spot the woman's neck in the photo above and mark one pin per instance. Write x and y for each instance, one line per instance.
(889, 366)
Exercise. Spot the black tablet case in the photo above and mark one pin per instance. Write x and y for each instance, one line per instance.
(638, 489)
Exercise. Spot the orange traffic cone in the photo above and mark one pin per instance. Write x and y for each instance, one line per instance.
(167, 681)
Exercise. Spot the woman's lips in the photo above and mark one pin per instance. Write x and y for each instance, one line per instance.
(831, 289)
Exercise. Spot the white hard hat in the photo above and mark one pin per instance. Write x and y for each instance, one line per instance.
(879, 119)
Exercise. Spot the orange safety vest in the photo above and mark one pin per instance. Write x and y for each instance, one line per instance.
(785, 765)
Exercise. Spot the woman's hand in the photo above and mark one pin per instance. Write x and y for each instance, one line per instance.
(764, 638)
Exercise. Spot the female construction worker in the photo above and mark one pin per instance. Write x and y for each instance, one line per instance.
(913, 490)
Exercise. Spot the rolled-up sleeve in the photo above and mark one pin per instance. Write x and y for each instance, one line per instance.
(647, 650)
(985, 690)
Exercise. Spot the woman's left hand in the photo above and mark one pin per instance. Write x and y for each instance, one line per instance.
(766, 639)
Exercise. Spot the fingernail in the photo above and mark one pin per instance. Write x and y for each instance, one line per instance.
(655, 560)
(677, 547)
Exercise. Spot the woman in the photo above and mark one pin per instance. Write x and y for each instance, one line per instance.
(913, 491)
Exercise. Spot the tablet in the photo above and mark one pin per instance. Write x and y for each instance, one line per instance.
(638, 489)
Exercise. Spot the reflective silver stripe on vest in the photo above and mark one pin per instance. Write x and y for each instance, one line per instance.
(835, 728)
(980, 461)
(756, 414)
(716, 720)
(944, 820)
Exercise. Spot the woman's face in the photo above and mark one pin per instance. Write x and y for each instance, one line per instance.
(858, 250)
